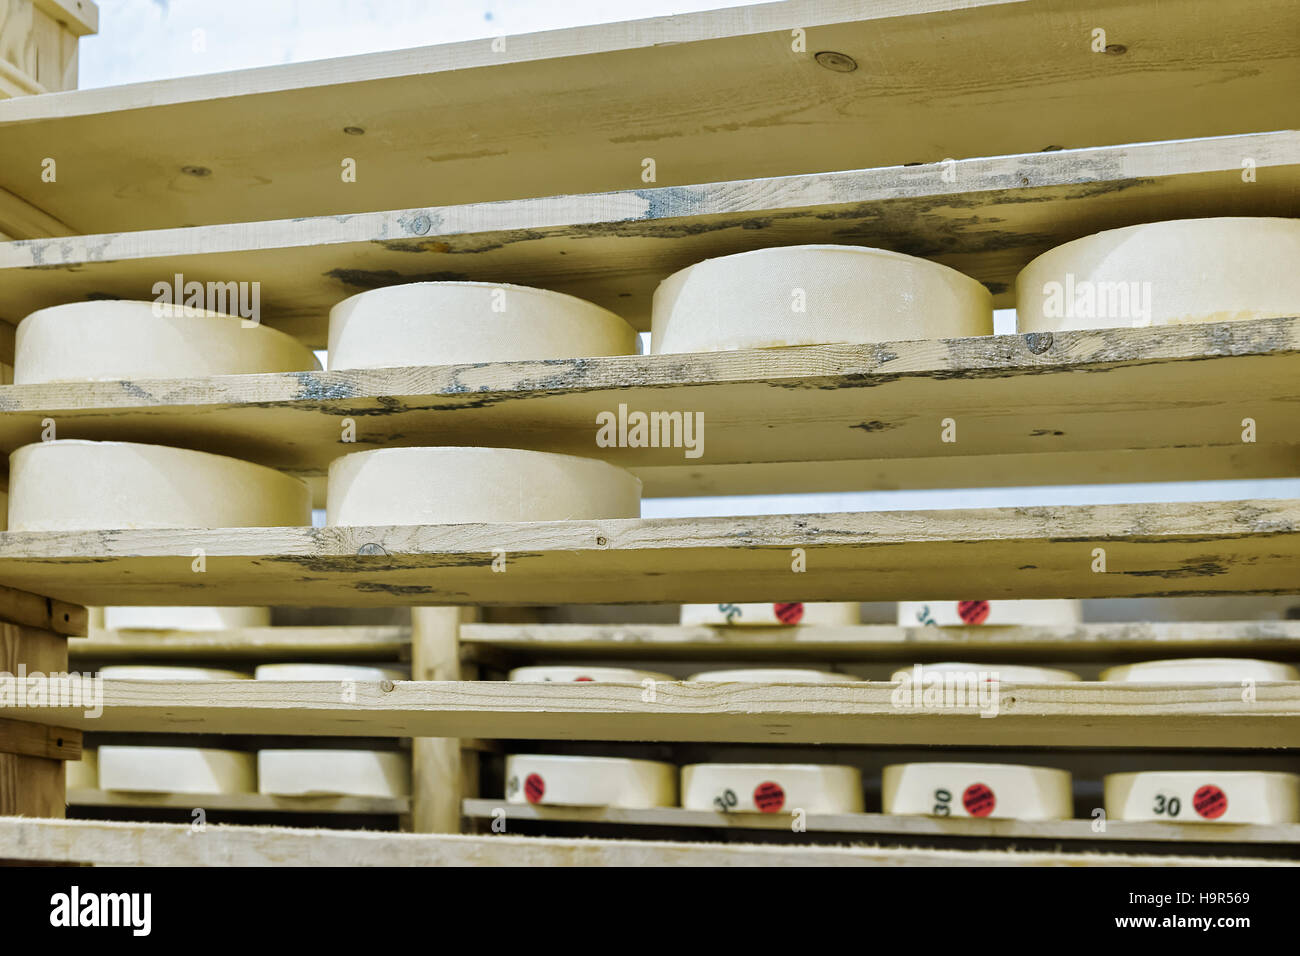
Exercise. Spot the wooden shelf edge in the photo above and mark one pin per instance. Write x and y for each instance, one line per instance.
(239, 802)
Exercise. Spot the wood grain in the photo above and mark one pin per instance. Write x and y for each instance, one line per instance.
(239, 802)
(355, 642)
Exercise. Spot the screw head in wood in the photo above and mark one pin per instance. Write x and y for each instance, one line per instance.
(199, 171)
(421, 225)
(836, 62)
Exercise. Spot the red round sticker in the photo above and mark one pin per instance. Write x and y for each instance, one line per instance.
(534, 788)
(580, 679)
(788, 613)
(1210, 802)
(769, 797)
(973, 612)
(978, 799)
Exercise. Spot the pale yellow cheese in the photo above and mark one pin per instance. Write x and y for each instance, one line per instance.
(352, 773)
(771, 788)
(625, 675)
(993, 790)
(328, 672)
(995, 613)
(771, 615)
(772, 675)
(1227, 670)
(185, 618)
(196, 770)
(1019, 673)
(168, 672)
(590, 781)
(1210, 796)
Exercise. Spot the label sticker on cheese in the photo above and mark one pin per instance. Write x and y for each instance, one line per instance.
(333, 773)
(113, 340)
(1193, 670)
(446, 323)
(1164, 273)
(772, 675)
(1000, 791)
(72, 485)
(196, 770)
(1206, 797)
(814, 295)
(771, 615)
(772, 788)
(621, 675)
(549, 780)
(408, 486)
(990, 613)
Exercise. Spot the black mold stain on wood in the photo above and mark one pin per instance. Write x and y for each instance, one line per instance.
(875, 426)
(382, 278)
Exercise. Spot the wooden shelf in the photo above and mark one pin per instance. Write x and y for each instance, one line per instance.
(242, 802)
(614, 248)
(1117, 831)
(172, 844)
(722, 94)
(247, 643)
(1082, 714)
(1151, 550)
(880, 642)
(1109, 405)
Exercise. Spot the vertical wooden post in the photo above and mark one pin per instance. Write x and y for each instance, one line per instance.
(440, 776)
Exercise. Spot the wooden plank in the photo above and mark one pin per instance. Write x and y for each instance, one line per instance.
(238, 802)
(168, 844)
(42, 613)
(614, 248)
(22, 220)
(1117, 831)
(723, 94)
(31, 784)
(1063, 715)
(79, 17)
(38, 740)
(436, 784)
(1092, 395)
(248, 643)
(1137, 640)
(1150, 550)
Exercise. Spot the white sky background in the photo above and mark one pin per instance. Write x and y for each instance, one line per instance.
(141, 40)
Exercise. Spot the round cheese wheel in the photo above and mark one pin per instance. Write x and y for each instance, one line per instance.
(771, 788)
(1017, 673)
(400, 486)
(771, 615)
(330, 672)
(83, 774)
(110, 340)
(990, 613)
(352, 773)
(167, 672)
(1191, 670)
(72, 485)
(625, 675)
(185, 618)
(444, 323)
(1214, 796)
(814, 295)
(590, 782)
(772, 675)
(1003, 791)
(1164, 273)
(197, 770)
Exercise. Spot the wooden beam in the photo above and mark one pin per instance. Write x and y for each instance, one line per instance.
(239, 802)
(164, 844)
(882, 642)
(248, 643)
(31, 776)
(38, 740)
(722, 94)
(437, 787)
(81, 17)
(20, 219)
(42, 613)
(864, 416)
(1148, 550)
(614, 248)
(1078, 714)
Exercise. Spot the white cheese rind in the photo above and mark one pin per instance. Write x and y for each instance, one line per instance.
(399, 486)
(1018, 673)
(590, 782)
(71, 485)
(350, 773)
(772, 788)
(185, 618)
(995, 791)
(995, 613)
(567, 674)
(167, 672)
(197, 770)
(771, 615)
(445, 323)
(1229, 670)
(328, 672)
(772, 675)
(1204, 796)
(814, 295)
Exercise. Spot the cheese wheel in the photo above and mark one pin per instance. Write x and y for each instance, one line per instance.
(771, 615)
(771, 788)
(1190, 670)
(590, 782)
(198, 770)
(1018, 673)
(1164, 273)
(351, 773)
(71, 485)
(167, 672)
(1214, 796)
(185, 618)
(989, 613)
(83, 774)
(1001, 791)
(814, 295)
(400, 486)
(328, 672)
(625, 675)
(111, 340)
(444, 323)
(772, 675)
